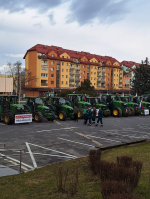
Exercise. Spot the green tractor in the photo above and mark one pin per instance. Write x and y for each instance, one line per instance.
(145, 103)
(60, 106)
(117, 108)
(9, 108)
(76, 100)
(133, 107)
(97, 103)
(35, 105)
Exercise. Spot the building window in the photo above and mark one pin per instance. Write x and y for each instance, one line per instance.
(77, 66)
(66, 76)
(52, 62)
(94, 78)
(107, 79)
(62, 63)
(62, 82)
(62, 56)
(66, 64)
(91, 78)
(94, 84)
(44, 75)
(52, 69)
(84, 60)
(66, 70)
(91, 73)
(83, 72)
(114, 84)
(52, 82)
(67, 57)
(62, 76)
(108, 74)
(45, 68)
(108, 69)
(95, 73)
(66, 82)
(83, 66)
(62, 70)
(91, 67)
(52, 55)
(52, 75)
(83, 77)
(114, 75)
(44, 83)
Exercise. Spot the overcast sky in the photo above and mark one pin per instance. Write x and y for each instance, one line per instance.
(117, 28)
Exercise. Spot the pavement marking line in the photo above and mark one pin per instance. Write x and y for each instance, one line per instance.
(104, 138)
(31, 155)
(26, 165)
(76, 142)
(51, 155)
(16, 164)
(52, 150)
(56, 129)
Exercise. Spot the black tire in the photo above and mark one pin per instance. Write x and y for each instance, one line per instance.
(129, 111)
(62, 115)
(116, 112)
(8, 118)
(80, 113)
(51, 119)
(120, 111)
(38, 117)
(132, 111)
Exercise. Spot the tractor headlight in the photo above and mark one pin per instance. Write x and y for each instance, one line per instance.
(46, 110)
(18, 109)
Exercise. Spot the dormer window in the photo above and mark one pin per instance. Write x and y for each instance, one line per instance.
(52, 55)
(62, 56)
(84, 60)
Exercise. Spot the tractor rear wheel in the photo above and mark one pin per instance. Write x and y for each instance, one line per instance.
(51, 119)
(38, 117)
(120, 111)
(132, 111)
(116, 112)
(80, 113)
(62, 115)
(8, 118)
(129, 111)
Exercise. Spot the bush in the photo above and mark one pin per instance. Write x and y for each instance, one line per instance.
(94, 160)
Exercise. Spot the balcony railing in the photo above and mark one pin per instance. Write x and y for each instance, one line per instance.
(77, 73)
(71, 80)
(72, 73)
(44, 84)
(99, 75)
(99, 81)
(72, 67)
(77, 80)
(77, 68)
(103, 81)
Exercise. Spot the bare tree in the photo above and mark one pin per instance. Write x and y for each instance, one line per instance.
(21, 76)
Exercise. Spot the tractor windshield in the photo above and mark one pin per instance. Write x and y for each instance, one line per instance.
(39, 101)
(62, 101)
(12, 100)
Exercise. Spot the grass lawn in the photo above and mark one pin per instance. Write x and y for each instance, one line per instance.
(41, 183)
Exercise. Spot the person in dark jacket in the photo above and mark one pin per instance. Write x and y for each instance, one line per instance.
(75, 111)
(100, 116)
(94, 115)
(89, 116)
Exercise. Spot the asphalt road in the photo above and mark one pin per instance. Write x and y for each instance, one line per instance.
(50, 142)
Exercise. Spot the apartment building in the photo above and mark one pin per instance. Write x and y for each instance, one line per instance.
(60, 69)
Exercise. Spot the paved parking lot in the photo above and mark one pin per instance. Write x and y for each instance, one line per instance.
(50, 142)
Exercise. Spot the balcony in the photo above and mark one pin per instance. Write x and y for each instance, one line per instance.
(98, 81)
(72, 67)
(77, 73)
(42, 57)
(99, 70)
(71, 85)
(77, 80)
(103, 75)
(71, 80)
(44, 84)
(99, 75)
(76, 68)
(71, 73)
(103, 86)
(103, 82)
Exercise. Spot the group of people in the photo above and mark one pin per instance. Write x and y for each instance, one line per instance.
(89, 115)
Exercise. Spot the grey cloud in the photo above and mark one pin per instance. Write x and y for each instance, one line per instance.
(51, 18)
(106, 11)
(17, 5)
(38, 25)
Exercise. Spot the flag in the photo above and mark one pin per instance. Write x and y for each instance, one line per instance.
(73, 91)
(141, 105)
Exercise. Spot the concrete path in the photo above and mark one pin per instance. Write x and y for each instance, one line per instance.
(5, 171)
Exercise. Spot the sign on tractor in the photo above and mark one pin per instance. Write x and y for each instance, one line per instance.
(23, 118)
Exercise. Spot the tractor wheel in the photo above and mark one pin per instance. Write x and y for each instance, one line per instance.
(38, 117)
(132, 111)
(120, 111)
(8, 118)
(51, 119)
(80, 113)
(116, 112)
(129, 111)
(62, 115)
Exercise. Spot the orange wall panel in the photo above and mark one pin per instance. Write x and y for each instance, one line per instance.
(32, 61)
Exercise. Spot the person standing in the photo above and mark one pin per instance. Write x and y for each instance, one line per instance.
(75, 111)
(89, 116)
(85, 115)
(100, 116)
(94, 115)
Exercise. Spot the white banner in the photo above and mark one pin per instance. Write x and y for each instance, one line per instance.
(146, 112)
(23, 118)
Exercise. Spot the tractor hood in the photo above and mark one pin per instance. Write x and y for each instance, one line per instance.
(121, 102)
(86, 103)
(17, 106)
(102, 105)
(44, 107)
(66, 106)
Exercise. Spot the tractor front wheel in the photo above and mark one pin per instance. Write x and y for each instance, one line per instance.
(53, 117)
(116, 112)
(38, 117)
(8, 118)
(62, 115)
(132, 111)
